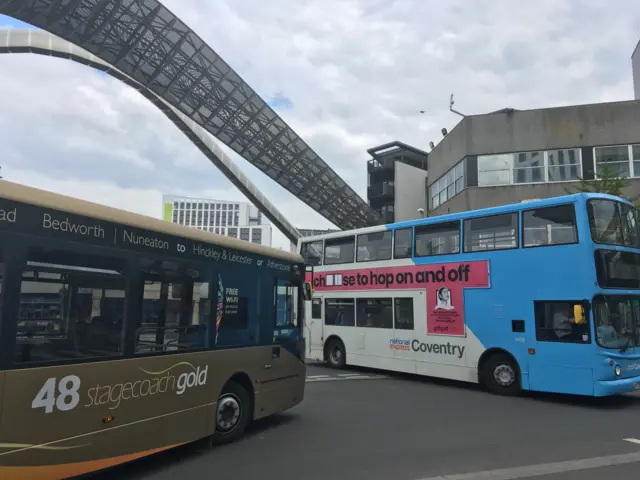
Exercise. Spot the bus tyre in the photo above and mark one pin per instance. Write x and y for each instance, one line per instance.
(233, 413)
(501, 375)
(335, 354)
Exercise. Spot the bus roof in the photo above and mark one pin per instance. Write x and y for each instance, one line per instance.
(45, 199)
(513, 207)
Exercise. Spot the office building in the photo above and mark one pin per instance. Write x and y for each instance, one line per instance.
(397, 175)
(239, 220)
(509, 156)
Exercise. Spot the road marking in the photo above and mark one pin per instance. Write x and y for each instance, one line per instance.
(544, 468)
(336, 379)
(317, 376)
(632, 440)
(349, 374)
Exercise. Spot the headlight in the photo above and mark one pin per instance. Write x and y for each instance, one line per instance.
(618, 370)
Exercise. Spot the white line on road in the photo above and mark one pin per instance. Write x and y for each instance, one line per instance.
(632, 440)
(337, 379)
(349, 374)
(544, 468)
(317, 376)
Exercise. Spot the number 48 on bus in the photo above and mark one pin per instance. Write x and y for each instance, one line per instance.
(64, 399)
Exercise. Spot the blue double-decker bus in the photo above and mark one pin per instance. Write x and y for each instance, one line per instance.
(542, 295)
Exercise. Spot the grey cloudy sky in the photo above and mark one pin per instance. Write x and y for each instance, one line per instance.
(345, 74)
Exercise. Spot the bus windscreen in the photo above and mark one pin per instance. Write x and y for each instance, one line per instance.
(613, 223)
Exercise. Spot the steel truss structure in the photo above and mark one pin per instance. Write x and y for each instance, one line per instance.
(44, 43)
(149, 44)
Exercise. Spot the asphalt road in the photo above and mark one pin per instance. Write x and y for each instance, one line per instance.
(361, 425)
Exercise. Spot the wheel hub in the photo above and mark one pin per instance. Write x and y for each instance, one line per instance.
(504, 375)
(228, 413)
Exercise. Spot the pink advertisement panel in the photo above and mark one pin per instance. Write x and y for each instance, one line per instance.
(443, 284)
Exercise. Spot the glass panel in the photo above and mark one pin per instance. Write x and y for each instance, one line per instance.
(375, 312)
(339, 250)
(339, 312)
(496, 232)
(316, 308)
(404, 313)
(438, 239)
(564, 165)
(635, 151)
(374, 246)
(615, 158)
(403, 243)
(311, 252)
(528, 175)
(617, 321)
(549, 226)
(555, 323)
(71, 307)
(528, 160)
(285, 300)
(613, 223)
(617, 269)
(459, 170)
(494, 169)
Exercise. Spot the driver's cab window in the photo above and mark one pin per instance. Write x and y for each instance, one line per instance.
(286, 298)
(556, 322)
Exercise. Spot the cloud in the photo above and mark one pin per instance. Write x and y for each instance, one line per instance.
(345, 74)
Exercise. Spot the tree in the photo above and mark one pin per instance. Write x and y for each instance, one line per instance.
(608, 182)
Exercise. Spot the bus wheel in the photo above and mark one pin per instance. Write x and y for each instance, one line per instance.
(335, 354)
(501, 375)
(233, 413)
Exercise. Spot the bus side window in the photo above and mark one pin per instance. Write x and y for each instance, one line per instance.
(549, 226)
(403, 243)
(175, 316)
(71, 307)
(339, 312)
(403, 313)
(555, 322)
(316, 309)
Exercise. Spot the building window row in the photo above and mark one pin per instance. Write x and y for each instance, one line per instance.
(205, 206)
(447, 186)
(530, 167)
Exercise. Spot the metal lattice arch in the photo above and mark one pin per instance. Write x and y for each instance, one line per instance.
(149, 44)
(44, 43)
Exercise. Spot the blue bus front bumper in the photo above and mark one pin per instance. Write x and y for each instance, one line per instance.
(603, 388)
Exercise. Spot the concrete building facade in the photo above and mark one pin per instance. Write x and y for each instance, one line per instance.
(397, 175)
(240, 220)
(510, 156)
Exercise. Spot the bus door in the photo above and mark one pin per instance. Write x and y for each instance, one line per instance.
(314, 323)
(560, 347)
(288, 316)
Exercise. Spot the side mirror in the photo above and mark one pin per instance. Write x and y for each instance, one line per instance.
(307, 290)
(578, 314)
